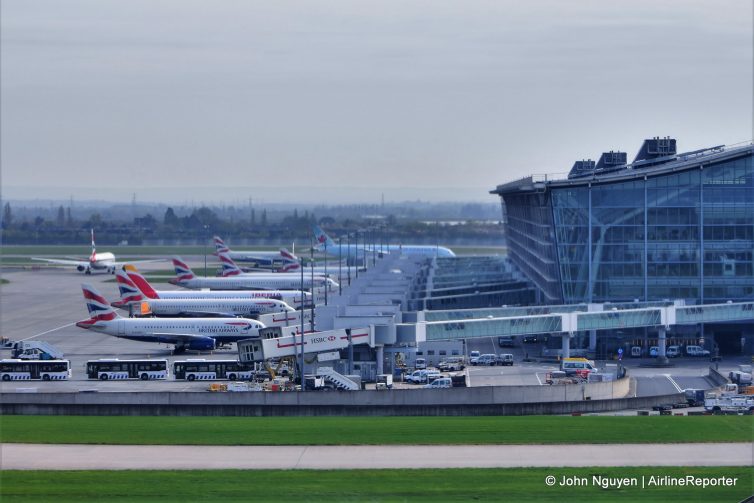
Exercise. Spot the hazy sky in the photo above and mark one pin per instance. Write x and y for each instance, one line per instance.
(453, 96)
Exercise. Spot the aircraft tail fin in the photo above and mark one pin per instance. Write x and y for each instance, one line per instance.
(129, 292)
(322, 238)
(229, 267)
(98, 307)
(220, 246)
(93, 256)
(182, 271)
(140, 282)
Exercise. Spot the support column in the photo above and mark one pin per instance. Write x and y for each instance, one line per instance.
(566, 345)
(592, 340)
(380, 359)
(661, 339)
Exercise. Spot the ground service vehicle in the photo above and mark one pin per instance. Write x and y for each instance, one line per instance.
(24, 370)
(734, 403)
(487, 359)
(115, 369)
(696, 351)
(579, 366)
(531, 339)
(673, 351)
(473, 357)
(384, 381)
(506, 341)
(739, 377)
(422, 376)
(452, 364)
(505, 359)
(421, 363)
(442, 382)
(694, 397)
(654, 351)
(200, 369)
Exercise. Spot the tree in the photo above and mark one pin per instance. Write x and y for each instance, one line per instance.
(7, 216)
(170, 219)
(60, 221)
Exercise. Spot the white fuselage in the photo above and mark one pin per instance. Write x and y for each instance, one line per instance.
(281, 281)
(352, 250)
(234, 307)
(290, 297)
(221, 329)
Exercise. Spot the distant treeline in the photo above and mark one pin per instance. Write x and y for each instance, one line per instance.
(200, 224)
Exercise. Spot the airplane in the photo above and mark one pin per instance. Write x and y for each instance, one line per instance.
(134, 289)
(209, 308)
(255, 260)
(185, 277)
(200, 334)
(335, 249)
(96, 261)
(294, 265)
(230, 268)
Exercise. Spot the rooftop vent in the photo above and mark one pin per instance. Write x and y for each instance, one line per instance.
(655, 148)
(582, 168)
(611, 160)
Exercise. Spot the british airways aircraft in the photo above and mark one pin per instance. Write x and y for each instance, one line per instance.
(201, 334)
(97, 262)
(326, 242)
(135, 289)
(259, 260)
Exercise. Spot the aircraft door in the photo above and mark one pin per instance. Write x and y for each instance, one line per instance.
(121, 327)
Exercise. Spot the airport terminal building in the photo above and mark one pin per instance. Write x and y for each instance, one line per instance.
(666, 226)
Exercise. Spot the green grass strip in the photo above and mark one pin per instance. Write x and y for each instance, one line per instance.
(169, 430)
(436, 485)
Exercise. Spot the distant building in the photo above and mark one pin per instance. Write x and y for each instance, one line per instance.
(666, 226)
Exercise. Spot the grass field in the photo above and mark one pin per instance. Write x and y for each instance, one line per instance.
(374, 430)
(436, 485)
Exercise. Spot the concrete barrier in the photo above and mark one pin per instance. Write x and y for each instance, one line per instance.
(446, 402)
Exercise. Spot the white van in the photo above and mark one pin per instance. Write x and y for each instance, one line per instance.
(420, 363)
(442, 382)
(422, 376)
(580, 366)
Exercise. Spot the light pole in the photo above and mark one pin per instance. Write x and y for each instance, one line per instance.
(301, 364)
(348, 260)
(311, 247)
(340, 265)
(327, 286)
(206, 240)
(356, 249)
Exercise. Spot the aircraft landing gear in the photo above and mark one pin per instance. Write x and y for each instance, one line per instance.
(179, 350)
(88, 271)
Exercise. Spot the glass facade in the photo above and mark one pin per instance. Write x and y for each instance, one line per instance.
(684, 235)
(531, 241)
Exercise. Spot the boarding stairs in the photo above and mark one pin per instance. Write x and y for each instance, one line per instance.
(339, 380)
(46, 350)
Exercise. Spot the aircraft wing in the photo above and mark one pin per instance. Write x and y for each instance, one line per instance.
(121, 264)
(82, 263)
(169, 336)
(205, 314)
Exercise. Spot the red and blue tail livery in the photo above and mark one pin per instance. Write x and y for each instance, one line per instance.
(98, 307)
(182, 271)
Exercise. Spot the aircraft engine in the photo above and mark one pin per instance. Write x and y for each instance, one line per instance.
(201, 344)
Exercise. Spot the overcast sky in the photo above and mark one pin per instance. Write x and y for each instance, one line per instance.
(453, 96)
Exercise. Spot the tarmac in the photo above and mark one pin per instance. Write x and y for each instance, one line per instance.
(184, 457)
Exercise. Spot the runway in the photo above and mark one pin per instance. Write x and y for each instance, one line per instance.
(184, 457)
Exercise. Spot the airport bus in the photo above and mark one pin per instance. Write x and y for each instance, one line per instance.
(46, 370)
(199, 369)
(115, 369)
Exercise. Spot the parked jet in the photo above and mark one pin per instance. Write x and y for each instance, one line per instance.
(230, 268)
(185, 277)
(96, 262)
(343, 250)
(252, 260)
(134, 288)
(200, 334)
(209, 308)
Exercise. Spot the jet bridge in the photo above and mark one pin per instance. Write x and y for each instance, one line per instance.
(274, 342)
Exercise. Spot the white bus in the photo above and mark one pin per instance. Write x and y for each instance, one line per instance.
(24, 370)
(199, 369)
(113, 368)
